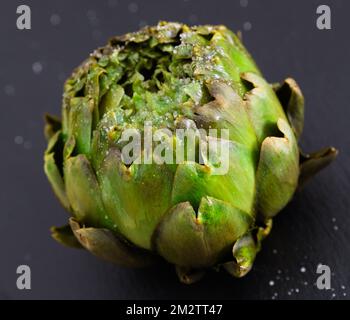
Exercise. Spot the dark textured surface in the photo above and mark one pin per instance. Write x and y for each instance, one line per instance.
(283, 39)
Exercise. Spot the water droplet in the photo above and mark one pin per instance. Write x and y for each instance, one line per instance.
(334, 219)
(343, 287)
(297, 290)
(133, 7)
(303, 269)
(243, 3)
(92, 17)
(271, 283)
(335, 228)
(9, 90)
(37, 67)
(247, 26)
(274, 251)
(279, 271)
(19, 140)
(55, 19)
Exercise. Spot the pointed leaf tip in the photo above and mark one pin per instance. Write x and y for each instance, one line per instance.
(311, 164)
(104, 244)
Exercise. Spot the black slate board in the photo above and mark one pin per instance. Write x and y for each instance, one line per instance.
(284, 40)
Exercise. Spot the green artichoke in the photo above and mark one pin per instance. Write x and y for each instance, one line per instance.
(176, 76)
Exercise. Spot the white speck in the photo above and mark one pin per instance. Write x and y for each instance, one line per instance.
(37, 67)
(334, 219)
(273, 297)
(303, 269)
(9, 90)
(142, 23)
(271, 283)
(343, 287)
(297, 290)
(305, 283)
(344, 294)
(193, 18)
(133, 7)
(333, 295)
(247, 26)
(112, 3)
(275, 294)
(279, 271)
(333, 289)
(106, 217)
(287, 278)
(289, 293)
(114, 226)
(19, 140)
(27, 145)
(335, 228)
(55, 19)
(243, 3)
(274, 251)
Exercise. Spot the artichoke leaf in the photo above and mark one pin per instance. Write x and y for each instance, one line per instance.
(53, 169)
(227, 111)
(199, 240)
(135, 197)
(80, 122)
(292, 101)
(193, 181)
(52, 125)
(263, 106)
(189, 275)
(105, 244)
(311, 164)
(65, 236)
(278, 171)
(245, 249)
(244, 252)
(83, 192)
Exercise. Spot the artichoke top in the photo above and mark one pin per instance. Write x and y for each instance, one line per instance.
(176, 76)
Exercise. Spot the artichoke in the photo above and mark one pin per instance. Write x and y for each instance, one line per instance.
(136, 213)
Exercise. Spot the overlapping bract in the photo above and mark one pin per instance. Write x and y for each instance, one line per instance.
(173, 74)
